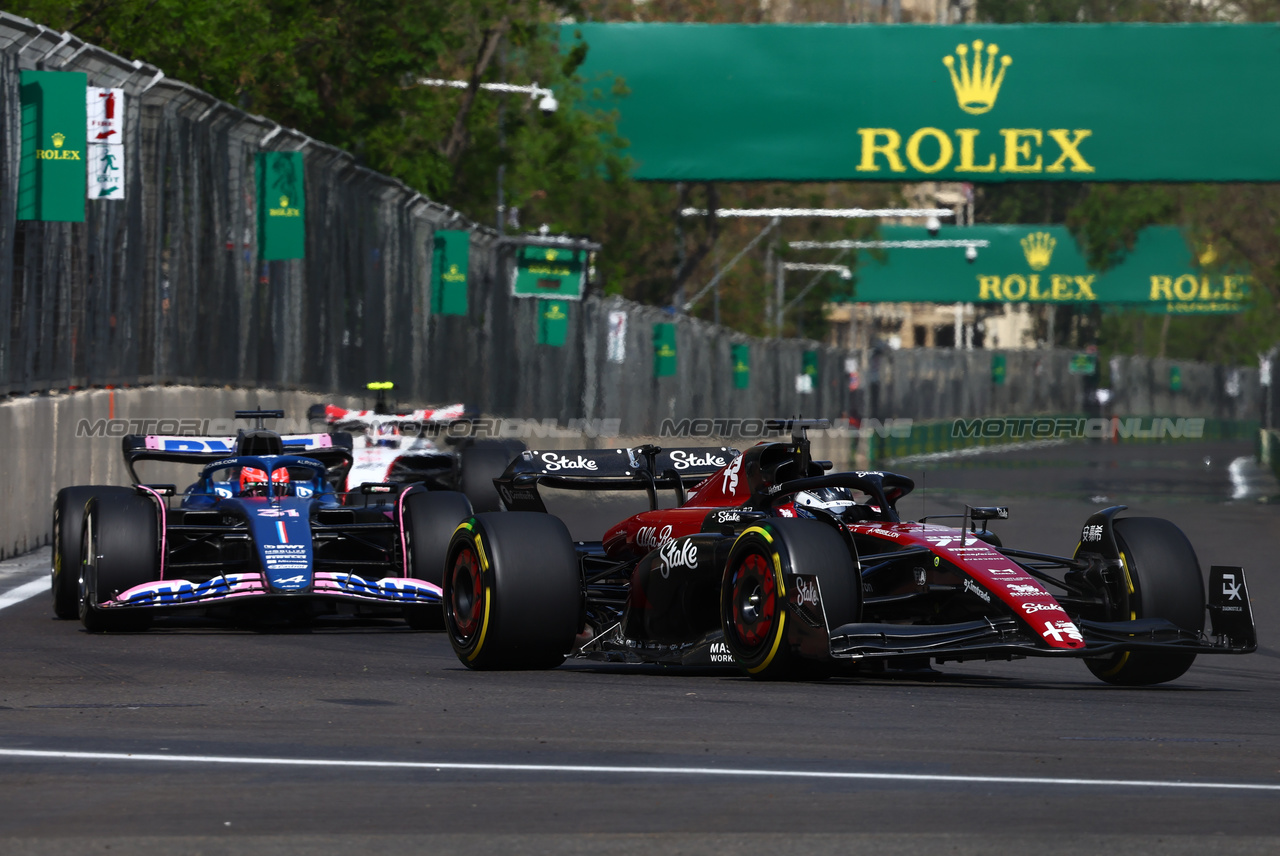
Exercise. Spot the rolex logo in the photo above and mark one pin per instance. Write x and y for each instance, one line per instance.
(58, 140)
(1207, 256)
(977, 86)
(284, 202)
(1038, 248)
(551, 255)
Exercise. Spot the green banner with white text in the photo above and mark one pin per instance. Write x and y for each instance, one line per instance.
(282, 210)
(1055, 102)
(53, 176)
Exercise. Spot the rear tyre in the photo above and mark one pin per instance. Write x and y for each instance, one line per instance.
(753, 594)
(120, 550)
(482, 462)
(1164, 581)
(512, 591)
(429, 521)
(68, 520)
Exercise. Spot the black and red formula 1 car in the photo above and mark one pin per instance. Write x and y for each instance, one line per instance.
(770, 563)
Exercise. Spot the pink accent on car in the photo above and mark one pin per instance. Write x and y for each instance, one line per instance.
(164, 525)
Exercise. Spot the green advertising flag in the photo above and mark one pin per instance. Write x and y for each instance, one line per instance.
(552, 272)
(282, 228)
(53, 176)
(1175, 379)
(1083, 364)
(1034, 102)
(741, 365)
(810, 363)
(1164, 272)
(664, 349)
(450, 263)
(553, 322)
(997, 369)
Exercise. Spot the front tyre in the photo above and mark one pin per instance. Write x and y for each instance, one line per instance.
(429, 520)
(1162, 580)
(512, 591)
(753, 594)
(120, 549)
(68, 521)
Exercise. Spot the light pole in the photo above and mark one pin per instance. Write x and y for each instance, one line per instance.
(547, 103)
(845, 274)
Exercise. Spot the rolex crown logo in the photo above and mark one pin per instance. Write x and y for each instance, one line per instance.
(58, 140)
(284, 202)
(977, 86)
(551, 255)
(1038, 248)
(1207, 256)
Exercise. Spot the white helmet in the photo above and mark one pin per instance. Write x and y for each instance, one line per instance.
(833, 500)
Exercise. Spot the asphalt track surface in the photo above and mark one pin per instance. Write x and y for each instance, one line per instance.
(198, 737)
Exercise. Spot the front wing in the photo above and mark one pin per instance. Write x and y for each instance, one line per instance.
(1002, 638)
(236, 588)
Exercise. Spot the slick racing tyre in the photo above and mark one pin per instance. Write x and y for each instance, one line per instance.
(1163, 581)
(512, 591)
(753, 594)
(482, 462)
(120, 550)
(68, 520)
(429, 521)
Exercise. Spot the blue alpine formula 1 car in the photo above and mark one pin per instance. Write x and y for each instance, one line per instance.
(261, 530)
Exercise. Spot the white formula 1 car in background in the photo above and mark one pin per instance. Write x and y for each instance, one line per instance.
(422, 447)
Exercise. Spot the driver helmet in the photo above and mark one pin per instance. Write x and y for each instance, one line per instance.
(387, 435)
(253, 481)
(833, 500)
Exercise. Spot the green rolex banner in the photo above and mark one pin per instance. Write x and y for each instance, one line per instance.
(1166, 271)
(1175, 379)
(982, 102)
(553, 322)
(664, 350)
(553, 272)
(810, 363)
(282, 221)
(450, 262)
(52, 177)
(741, 365)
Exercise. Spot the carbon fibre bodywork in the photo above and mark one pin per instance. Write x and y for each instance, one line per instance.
(654, 587)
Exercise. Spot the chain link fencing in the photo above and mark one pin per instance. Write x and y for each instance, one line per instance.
(166, 287)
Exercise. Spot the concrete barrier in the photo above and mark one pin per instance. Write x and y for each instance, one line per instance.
(47, 448)
(43, 452)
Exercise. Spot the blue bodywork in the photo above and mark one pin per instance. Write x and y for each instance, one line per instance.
(280, 522)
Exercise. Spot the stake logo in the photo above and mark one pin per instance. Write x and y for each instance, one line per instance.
(977, 87)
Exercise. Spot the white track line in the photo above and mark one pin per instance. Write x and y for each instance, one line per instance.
(23, 592)
(661, 771)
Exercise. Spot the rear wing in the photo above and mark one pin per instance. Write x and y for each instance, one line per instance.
(647, 468)
(331, 449)
(335, 415)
